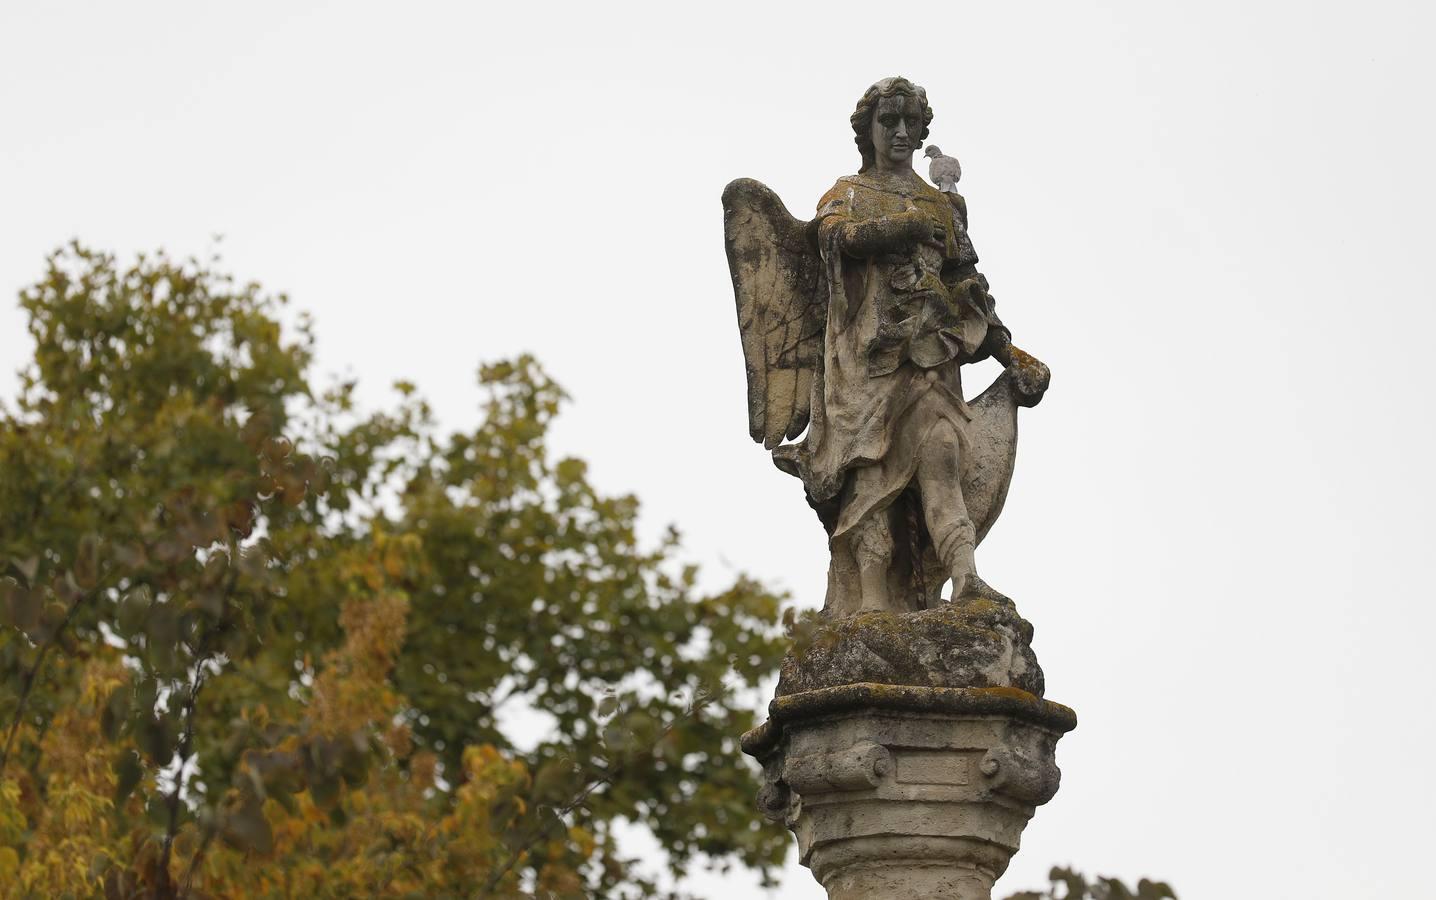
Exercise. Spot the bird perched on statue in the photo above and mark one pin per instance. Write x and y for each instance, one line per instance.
(945, 171)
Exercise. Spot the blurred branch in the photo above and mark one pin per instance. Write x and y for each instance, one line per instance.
(33, 673)
(183, 753)
(520, 849)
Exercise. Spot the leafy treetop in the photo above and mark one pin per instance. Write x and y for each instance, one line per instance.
(256, 641)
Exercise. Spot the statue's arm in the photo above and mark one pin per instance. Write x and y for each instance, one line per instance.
(959, 208)
(999, 343)
(1030, 376)
(874, 237)
(963, 273)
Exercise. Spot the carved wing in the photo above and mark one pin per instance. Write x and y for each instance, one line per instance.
(782, 293)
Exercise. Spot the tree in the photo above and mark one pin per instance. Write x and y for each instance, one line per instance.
(1069, 885)
(255, 641)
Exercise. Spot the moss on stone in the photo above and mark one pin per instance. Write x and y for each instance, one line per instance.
(973, 643)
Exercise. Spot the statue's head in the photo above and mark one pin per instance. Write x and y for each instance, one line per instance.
(890, 123)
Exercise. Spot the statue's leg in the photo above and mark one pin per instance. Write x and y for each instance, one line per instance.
(872, 543)
(939, 470)
(845, 593)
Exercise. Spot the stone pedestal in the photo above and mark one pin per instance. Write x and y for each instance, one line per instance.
(900, 791)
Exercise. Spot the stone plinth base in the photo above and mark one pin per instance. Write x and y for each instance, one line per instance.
(902, 792)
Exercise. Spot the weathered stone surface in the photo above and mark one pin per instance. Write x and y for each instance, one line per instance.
(855, 329)
(908, 744)
(902, 792)
(975, 643)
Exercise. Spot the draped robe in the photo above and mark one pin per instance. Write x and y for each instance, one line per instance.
(904, 314)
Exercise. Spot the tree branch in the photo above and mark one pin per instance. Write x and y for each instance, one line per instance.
(517, 853)
(183, 752)
(33, 674)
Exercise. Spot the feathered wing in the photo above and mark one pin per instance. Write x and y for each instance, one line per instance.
(782, 295)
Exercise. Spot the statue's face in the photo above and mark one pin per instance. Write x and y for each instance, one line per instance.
(897, 123)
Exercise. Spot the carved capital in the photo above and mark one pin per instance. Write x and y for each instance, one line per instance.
(908, 792)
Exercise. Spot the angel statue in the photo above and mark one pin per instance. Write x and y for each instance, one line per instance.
(855, 327)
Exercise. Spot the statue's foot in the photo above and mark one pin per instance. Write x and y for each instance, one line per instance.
(974, 588)
(964, 568)
(959, 584)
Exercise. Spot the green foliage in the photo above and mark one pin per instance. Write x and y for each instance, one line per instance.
(274, 631)
(1069, 885)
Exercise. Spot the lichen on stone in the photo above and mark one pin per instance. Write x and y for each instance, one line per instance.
(971, 643)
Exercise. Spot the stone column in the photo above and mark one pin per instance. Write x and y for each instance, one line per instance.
(908, 751)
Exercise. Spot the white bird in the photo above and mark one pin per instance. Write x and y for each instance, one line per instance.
(945, 171)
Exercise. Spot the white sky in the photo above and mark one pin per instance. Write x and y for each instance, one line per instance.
(1214, 221)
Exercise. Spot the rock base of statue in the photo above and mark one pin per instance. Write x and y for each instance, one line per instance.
(901, 790)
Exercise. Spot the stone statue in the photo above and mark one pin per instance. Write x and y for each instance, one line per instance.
(855, 326)
(908, 742)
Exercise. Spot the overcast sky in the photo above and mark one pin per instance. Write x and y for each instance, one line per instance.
(1213, 220)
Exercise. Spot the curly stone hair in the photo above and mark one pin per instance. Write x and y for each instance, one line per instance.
(862, 117)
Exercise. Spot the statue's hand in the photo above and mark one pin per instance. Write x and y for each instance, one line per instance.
(1030, 376)
(928, 230)
(912, 226)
